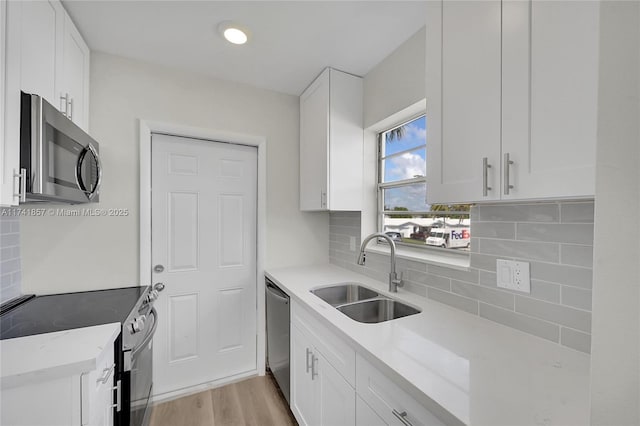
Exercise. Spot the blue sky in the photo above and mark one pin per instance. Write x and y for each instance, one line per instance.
(407, 166)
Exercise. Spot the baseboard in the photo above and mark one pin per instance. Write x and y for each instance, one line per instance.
(168, 396)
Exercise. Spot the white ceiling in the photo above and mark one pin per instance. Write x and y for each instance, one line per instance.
(292, 41)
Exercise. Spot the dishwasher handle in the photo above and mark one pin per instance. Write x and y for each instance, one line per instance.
(277, 293)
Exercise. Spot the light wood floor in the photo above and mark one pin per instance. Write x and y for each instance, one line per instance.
(252, 402)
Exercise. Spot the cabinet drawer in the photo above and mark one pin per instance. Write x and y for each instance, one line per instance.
(388, 400)
(97, 390)
(337, 352)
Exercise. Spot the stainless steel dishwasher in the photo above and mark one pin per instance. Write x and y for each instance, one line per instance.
(278, 335)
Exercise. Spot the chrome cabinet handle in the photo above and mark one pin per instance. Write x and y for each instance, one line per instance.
(308, 365)
(65, 98)
(314, 372)
(71, 109)
(507, 164)
(118, 389)
(402, 417)
(106, 373)
(22, 185)
(323, 199)
(485, 177)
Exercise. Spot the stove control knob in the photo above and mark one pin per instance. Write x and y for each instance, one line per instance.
(152, 296)
(137, 324)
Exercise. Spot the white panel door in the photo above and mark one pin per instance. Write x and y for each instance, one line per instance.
(550, 97)
(463, 49)
(204, 235)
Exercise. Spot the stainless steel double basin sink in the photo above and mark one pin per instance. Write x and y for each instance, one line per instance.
(363, 304)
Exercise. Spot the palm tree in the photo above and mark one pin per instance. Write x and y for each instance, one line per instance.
(397, 133)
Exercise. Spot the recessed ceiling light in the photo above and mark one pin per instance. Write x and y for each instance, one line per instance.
(233, 32)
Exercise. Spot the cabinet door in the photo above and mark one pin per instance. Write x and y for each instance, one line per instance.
(303, 404)
(40, 47)
(463, 51)
(335, 397)
(550, 91)
(97, 392)
(314, 137)
(75, 74)
(365, 416)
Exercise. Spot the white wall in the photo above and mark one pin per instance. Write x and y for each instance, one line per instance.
(615, 359)
(83, 253)
(397, 82)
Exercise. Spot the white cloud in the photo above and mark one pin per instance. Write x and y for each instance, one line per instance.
(406, 166)
(415, 132)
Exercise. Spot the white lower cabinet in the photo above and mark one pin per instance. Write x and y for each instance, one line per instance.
(392, 404)
(333, 385)
(78, 399)
(320, 395)
(365, 416)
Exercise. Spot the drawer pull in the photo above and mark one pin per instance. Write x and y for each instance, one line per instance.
(485, 177)
(106, 373)
(309, 363)
(402, 417)
(314, 373)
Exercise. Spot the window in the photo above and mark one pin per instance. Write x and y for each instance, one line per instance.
(403, 211)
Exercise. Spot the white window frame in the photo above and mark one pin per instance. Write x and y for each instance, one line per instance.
(369, 215)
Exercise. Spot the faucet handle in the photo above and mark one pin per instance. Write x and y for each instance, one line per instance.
(398, 280)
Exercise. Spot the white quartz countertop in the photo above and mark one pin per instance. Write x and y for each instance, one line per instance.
(50, 355)
(478, 371)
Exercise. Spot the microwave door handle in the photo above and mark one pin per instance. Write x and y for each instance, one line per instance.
(99, 165)
(90, 194)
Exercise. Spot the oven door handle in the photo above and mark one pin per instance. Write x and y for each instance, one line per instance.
(149, 336)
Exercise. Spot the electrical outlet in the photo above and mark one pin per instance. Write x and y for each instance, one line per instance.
(513, 275)
(352, 243)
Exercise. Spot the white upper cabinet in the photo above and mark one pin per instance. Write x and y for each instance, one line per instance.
(74, 81)
(511, 100)
(331, 143)
(44, 54)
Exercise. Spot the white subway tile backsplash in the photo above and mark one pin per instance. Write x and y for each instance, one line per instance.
(545, 252)
(502, 230)
(462, 303)
(575, 339)
(562, 274)
(576, 297)
(442, 283)
(577, 212)
(556, 238)
(558, 233)
(574, 318)
(548, 212)
(576, 255)
(470, 276)
(10, 272)
(540, 328)
(483, 294)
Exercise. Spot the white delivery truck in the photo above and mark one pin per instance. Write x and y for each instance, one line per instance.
(449, 237)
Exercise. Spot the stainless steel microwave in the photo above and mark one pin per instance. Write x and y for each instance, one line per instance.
(59, 161)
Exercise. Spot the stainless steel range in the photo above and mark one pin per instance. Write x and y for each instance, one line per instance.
(131, 306)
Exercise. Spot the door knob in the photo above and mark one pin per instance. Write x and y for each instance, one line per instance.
(158, 268)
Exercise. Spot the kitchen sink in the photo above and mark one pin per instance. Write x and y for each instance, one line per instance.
(377, 310)
(340, 294)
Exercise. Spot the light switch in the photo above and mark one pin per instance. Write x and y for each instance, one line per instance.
(513, 275)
